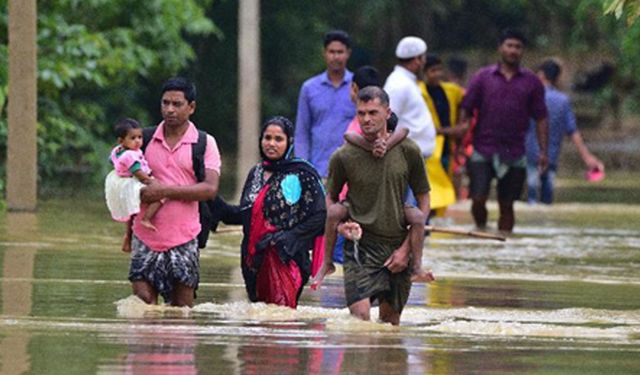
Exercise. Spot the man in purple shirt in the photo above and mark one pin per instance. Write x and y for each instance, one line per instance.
(325, 108)
(504, 96)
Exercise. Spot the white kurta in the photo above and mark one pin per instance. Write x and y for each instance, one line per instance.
(407, 103)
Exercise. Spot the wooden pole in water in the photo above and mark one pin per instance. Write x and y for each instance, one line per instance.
(248, 88)
(429, 228)
(464, 232)
(22, 152)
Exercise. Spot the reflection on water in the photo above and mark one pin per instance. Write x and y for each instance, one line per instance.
(560, 296)
(17, 269)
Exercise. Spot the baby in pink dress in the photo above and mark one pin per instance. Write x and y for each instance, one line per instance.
(131, 172)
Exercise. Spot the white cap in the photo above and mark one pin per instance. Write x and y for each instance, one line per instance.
(410, 46)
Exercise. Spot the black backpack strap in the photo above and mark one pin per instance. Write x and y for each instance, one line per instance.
(197, 155)
(147, 134)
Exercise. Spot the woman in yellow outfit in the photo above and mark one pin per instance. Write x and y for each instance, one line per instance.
(443, 100)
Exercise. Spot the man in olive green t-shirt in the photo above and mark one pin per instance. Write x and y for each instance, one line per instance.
(375, 202)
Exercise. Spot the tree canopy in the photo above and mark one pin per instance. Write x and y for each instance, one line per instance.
(619, 7)
(96, 59)
(100, 60)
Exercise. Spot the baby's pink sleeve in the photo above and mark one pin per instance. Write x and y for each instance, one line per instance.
(125, 161)
(212, 155)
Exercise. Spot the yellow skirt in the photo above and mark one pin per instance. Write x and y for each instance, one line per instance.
(442, 190)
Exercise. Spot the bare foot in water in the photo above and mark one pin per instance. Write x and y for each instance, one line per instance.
(422, 276)
(147, 224)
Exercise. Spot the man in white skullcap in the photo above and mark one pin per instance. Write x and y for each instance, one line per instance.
(405, 98)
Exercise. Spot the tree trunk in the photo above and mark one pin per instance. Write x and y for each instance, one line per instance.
(248, 88)
(22, 151)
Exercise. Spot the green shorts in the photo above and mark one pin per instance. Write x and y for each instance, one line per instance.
(371, 279)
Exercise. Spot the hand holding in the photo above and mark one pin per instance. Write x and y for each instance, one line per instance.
(350, 230)
(379, 148)
(594, 163)
(153, 192)
(399, 260)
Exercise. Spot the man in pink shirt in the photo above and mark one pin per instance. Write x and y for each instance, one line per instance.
(166, 261)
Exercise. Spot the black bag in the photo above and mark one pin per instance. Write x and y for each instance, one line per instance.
(197, 156)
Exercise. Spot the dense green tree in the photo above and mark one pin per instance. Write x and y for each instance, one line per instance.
(104, 59)
(96, 59)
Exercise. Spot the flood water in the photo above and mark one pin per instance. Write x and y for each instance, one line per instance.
(562, 296)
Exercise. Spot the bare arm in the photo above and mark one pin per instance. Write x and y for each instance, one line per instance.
(542, 132)
(380, 147)
(396, 137)
(142, 177)
(358, 140)
(461, 128)
(399, 259)
(331, 227)
(201, 191)
(589, 159)
(424, 203)
(457, 131)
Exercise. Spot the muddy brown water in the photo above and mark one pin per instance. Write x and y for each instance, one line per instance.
(561, 296)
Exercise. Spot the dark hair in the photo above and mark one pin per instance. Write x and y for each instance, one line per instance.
(366, 76)
(458, 66)
(551, 70)
(287, 127)
(512, 34)
(123, 126)
(370, 93)
(336, 35)
(181, 84)
(392, 122)
(432, 60)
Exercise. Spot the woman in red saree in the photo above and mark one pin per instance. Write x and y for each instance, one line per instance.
(282, 210)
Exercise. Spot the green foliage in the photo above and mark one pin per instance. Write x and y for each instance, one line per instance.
(100, 60)
(94, 58)
(620, 7)
(596, 31)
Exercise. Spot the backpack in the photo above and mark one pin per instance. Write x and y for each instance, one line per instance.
(197, 156)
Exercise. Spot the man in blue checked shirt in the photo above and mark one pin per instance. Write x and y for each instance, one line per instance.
(325, 108)
(562, 121)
